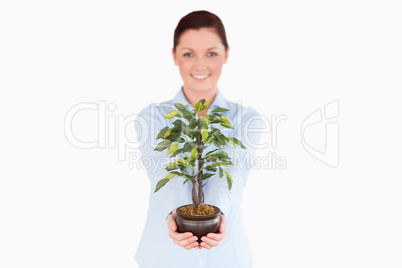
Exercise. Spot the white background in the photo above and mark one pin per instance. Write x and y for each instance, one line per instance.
(62, 206)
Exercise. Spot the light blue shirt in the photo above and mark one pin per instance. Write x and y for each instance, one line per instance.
(156, 249)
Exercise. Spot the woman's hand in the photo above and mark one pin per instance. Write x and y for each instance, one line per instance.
(212, 239)
(186, 240)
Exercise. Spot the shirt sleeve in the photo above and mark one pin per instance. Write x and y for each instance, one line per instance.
(249, 132)
(148, 124)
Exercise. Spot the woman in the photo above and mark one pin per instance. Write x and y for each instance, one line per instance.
(199, 50)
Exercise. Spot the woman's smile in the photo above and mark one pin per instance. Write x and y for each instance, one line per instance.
(201, 77)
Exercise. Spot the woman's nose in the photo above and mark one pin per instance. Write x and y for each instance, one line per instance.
(200, 63)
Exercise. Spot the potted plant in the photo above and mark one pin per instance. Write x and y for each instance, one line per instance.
(189, 136)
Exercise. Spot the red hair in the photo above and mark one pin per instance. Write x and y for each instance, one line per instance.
(199, 19)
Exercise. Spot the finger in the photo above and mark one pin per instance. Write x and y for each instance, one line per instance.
(192, 245)
(190, 242)
(210, 242)
(205, 245)
(222, 226)
(216, 237)
(171, 223)
(185, 242)
(172, 227)
(180, 236)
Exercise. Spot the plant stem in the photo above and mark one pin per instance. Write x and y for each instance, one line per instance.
(200, 163)
(196, 201)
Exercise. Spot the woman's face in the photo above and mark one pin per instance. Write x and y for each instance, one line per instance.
(200, 56)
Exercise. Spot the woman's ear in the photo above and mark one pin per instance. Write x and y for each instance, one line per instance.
(174, 57)
(227, 54)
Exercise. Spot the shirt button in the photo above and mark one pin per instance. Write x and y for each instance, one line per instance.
(201, 263)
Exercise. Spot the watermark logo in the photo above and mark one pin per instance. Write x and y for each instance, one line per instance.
(271, 161)
(131, 135)
(111, 128)
(320, 134)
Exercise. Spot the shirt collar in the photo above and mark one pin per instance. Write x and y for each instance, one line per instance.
(219, 101)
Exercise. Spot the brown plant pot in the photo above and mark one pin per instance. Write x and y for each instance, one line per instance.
(198, 225)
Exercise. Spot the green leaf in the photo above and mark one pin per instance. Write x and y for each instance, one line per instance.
(162, 146)
(220, 172)
(179, 106)
(171, 114)
(238, 142)
(226, 122)
(210, 152)
(232, 142)
(212, 158)
(207, 175)
(224, 139)
(172, 148)
(192, 123)
(213, 119)
(162, 132)
(227, 125)
(227, 163)
(160, 184)
(189, 132)
(188, 146)
(170, 176)
(180, 140)
(174, 134)
(172, 166)
(221, 155)
(219, 110)
(185, 114)
(180, 124)
(194, 152)
(183, 168)
(198, 106)
(215, 130)
(211, 168)
(201, 105)
(229, 179)
(224, 116)
(220, 138)
(167, 133)
(182, 161)
(180, 174)
(216, 143)
(177, 153)
(204, 119)
(204, 134)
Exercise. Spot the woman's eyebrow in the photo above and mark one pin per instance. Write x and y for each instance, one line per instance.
(193, 50)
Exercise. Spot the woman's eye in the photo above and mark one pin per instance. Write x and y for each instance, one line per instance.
(188, 54)
(211, 54)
